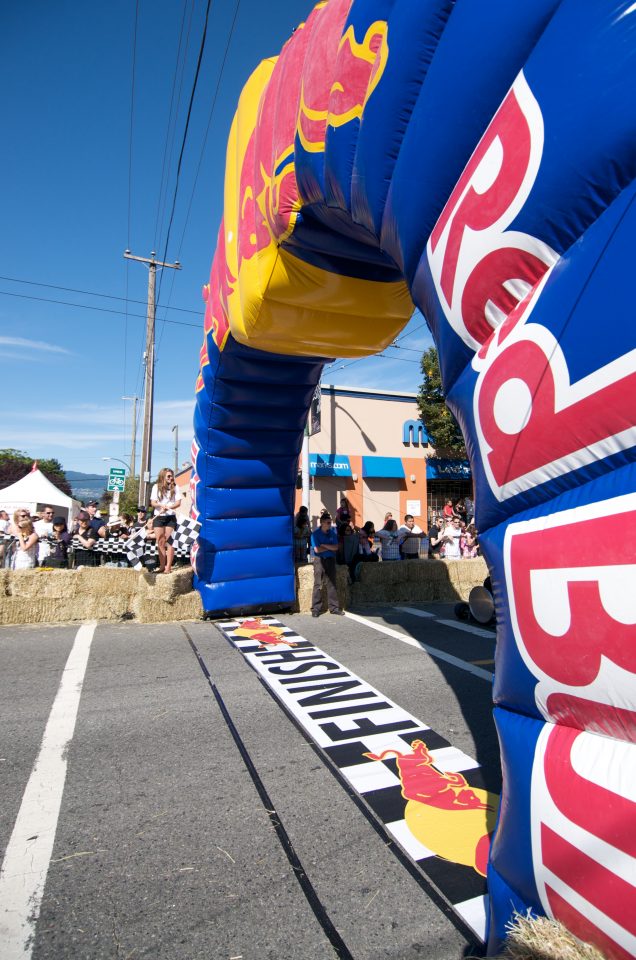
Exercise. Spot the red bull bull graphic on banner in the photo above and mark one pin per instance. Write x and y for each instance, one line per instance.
(366, 174)
(429, 795)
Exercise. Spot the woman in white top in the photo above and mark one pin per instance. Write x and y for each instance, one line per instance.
(165, 500)
(452, 537)
(26, 550)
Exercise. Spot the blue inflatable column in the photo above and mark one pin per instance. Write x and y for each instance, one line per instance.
(249, 422)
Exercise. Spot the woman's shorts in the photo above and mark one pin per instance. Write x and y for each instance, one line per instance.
(165, 520)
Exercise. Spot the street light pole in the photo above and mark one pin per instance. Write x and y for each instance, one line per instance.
(175, 430)
(146, 440)
(119, 460)
(133, 451)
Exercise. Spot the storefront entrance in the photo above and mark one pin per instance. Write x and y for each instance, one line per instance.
(439, 491)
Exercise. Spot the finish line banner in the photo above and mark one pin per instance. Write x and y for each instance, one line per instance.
(429, 795)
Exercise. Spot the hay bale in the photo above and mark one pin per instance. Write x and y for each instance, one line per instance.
(305, 587)
(106, 580)
(167, 586)
(33, 584)
(538, 938)
(185, 606)
(14, 610)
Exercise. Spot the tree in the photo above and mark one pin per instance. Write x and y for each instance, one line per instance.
(441, 426)
(14, 465)
(129, 498)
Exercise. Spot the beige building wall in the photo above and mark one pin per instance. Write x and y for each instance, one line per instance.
(360, 423)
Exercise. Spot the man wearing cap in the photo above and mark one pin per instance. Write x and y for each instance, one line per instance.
(141, 517)
(96, 522)
(324, 541)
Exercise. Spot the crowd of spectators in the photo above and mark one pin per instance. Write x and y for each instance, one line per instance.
(46, 540)
(451, 536)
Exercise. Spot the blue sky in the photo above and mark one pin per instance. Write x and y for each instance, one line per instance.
(77, 190)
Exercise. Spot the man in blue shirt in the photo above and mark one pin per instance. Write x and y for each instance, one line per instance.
(324, 541)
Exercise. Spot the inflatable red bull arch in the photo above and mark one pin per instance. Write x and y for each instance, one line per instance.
(477, 160)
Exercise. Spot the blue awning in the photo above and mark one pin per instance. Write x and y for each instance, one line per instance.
(329, 465)
(441, 468)
(382, 467)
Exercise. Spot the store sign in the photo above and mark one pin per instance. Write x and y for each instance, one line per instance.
(414, 433)
(441, 468)
(329, 465)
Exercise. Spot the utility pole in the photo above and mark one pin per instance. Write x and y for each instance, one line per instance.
(133, 444)
(146, 440)
(175, 430)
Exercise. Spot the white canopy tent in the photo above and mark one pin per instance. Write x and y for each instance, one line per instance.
(34, 492)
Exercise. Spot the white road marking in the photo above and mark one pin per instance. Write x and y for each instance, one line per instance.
(28, 854)
(433, 651)
(466, 627)
(416, 612)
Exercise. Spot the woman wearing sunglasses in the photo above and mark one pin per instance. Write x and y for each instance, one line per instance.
(165, 499)
(26, 549)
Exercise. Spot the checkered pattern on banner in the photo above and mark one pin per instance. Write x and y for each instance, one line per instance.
(182, 540)
(137, 547)
(378, 781)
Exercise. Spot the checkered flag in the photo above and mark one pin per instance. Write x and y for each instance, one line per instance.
(135, 548)
(184, 537)
(186, 534)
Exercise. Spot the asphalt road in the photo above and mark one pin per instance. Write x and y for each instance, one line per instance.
(171, 842)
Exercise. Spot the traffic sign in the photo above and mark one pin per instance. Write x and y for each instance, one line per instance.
(116, 478)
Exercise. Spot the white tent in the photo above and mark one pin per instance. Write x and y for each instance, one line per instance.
(34, 492)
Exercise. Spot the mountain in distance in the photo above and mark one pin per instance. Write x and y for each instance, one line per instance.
(86, 486)
(75, 475)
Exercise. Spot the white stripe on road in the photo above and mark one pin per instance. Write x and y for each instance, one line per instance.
(433, 651)
(28, 853)
(416, 612)
(466, 627)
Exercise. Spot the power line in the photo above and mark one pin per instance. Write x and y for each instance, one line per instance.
(93, 293)
(86, 306)
(130, 149)
(185, 133)
(170, 119)
(205, 140)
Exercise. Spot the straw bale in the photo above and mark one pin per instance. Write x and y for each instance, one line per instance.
(305, 587)
(167, 586)
(15, 610)
(36, 583)
(538, 938)
(106, 580)
(185, 606)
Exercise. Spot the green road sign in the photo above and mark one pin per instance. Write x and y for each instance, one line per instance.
(116, 478)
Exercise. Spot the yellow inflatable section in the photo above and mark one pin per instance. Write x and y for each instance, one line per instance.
(274, 300)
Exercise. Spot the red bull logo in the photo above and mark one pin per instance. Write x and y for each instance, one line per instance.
(481, 270)
(266, 634)
(443, 812)
(577, 779)
(358, 69)
(216, 294)
(534, 421)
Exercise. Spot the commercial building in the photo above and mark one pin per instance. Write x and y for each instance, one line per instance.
(373, 448)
